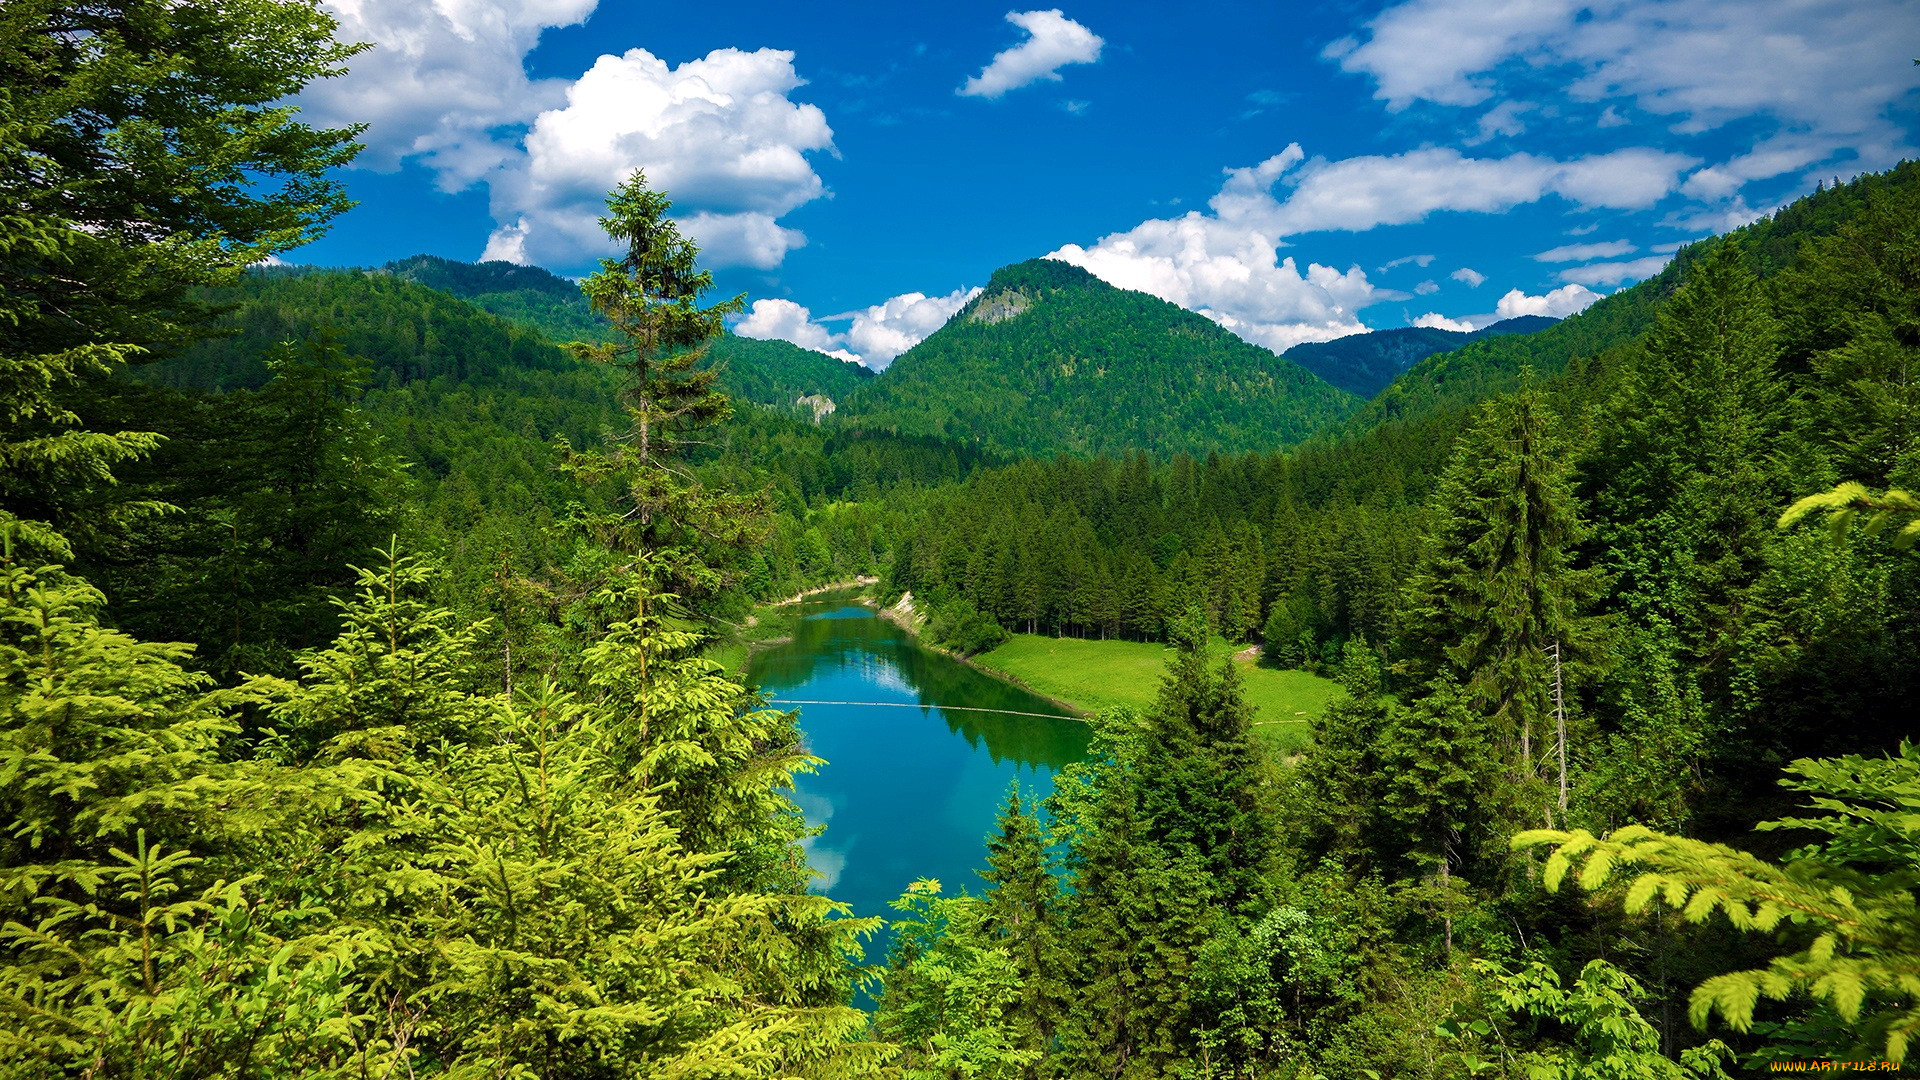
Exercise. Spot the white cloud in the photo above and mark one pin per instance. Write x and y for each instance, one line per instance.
(1557, 304)
(877, 335)
(1717, 219)
(1502, 119)
(1225, 264)
(1422, 261)
(1438, 321)
(784, 320)
(1233, 276)
(1053, 42)
(1472, 277)
(444, 82)
(446, 85)
(1426, 288)
(1356, 194)
(1613, 273)
(718, 134)
(887, 329)
(1826, 74)
(1579, 252)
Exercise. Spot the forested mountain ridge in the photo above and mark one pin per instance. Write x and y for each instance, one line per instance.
(1452, 380)
(425, 318)
(770, 372)
(1365, 364)
(1049, 358)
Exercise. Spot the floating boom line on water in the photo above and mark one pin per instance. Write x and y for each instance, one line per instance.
(965, 708)
(910, 705)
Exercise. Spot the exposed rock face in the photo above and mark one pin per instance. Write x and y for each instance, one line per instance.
(1000, 307)
(821, 405)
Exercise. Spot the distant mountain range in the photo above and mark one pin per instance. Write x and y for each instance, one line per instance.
(1366, 364)
(1048, 359)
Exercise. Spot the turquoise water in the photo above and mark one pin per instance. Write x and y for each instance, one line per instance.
(906, 792)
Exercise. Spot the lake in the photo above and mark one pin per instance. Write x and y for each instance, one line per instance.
(907, 792)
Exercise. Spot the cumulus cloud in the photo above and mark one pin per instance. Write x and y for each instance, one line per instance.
(1437, 321)
(889, 328)
(1472, 277)
(1558, 303)
(1053, 42)
(1426, 288)
(877, 335)
(1613, 273)
(446, 85)
(1225, 263)
(784, 320)
(1232, 276)
(720, 134)
(1579, 252)
(444, 82)
(1701, 63)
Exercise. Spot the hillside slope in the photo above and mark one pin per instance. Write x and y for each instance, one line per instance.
(424, 318)
(1454, 380)
(1051, 359)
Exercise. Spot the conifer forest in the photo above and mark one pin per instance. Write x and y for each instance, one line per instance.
(373, 702)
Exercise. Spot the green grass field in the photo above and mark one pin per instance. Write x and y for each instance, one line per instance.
(1095, 674)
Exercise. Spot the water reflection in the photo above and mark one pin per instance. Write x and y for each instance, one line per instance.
(901, 796)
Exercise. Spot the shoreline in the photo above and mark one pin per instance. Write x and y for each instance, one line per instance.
(863, 579)
(910, 621)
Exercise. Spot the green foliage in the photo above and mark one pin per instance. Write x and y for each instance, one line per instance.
(1607, 1038)
(1497, 592)
(1051, 359)
(142, 152)
(1846, 502)
(278, 491)
(952, 995)
(1849, 896)
(651, 297)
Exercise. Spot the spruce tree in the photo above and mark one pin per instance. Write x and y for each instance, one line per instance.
(1497, 590)
(1023, 917)
(688, 535)
(143, 152)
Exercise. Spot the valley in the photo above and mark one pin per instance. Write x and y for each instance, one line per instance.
(624, 670)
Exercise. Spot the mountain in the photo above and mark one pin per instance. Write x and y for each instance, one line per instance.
(1050, 359)
(1365, 364)
(529, 295)
(1455, 380)
(425, 317)
(775, 373)
(783, 374)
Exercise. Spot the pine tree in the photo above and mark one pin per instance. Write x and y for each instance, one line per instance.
(142, 153)
(1023, 918)
(651, 295)
(1684, 482)
(126, 950)
(1497, 589)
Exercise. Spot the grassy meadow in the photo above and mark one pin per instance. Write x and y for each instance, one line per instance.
(1096, 674)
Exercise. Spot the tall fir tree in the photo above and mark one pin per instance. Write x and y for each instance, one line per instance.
(1497, 593)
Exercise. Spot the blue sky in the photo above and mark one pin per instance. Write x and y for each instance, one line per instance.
(1296, 172)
